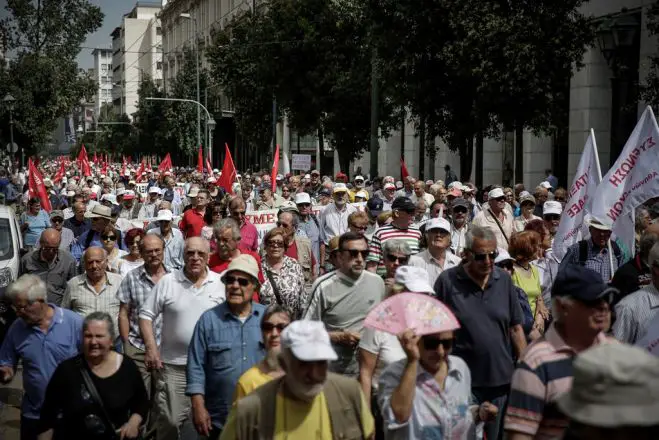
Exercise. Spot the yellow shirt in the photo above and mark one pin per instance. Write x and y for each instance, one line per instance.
(529, 284)
(249, 381)
(303, 421)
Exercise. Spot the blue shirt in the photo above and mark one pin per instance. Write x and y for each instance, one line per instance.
(221, 350)
(41, 353)
(35, 226)
(77, 227)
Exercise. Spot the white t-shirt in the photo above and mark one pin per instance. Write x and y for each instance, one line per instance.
(385, 346)
(181, 305)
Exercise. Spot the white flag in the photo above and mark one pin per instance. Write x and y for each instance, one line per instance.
(633, 179)
(571, 229)
(285, 166)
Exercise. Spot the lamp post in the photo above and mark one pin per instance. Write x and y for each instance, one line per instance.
(196, 44)
(10, 101)
(210, 126)
(618, 40)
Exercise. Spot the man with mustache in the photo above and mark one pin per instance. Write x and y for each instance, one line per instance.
(307, 399)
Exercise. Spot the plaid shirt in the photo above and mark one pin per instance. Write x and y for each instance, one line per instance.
(133, 291)
(597, 259)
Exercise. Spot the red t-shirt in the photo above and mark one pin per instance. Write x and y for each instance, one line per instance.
(250, 236)
(192, 223)
(219, 265)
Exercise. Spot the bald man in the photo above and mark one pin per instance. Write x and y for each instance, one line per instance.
(180, 298)
(96, 289)
(50, 263)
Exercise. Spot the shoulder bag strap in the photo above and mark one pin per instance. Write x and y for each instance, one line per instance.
(89, 384)
(498, 224)
(275, 289)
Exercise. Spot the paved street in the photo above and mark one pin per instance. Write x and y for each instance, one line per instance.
(10, 400)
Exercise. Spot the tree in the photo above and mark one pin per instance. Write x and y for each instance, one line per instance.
(150, 120)
(118, 138)
(650, 90)
(45, 36)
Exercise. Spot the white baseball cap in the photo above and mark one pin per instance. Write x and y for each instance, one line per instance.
(415, 279)
(340, 187)
(389, 185)
(358, 178)
(302, 198)
(110, 198)
(438, 223)
(308, 341)
(154, 190)
(552, 207)
(495, 193)
(546, 184)
(361, 194)
(164, 215)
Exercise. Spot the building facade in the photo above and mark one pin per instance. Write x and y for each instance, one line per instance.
(136, 52)
(102, 74)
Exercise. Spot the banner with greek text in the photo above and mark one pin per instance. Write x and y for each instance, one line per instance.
(571, 229)
(634, 178)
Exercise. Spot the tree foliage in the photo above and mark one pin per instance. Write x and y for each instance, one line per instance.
(150, 119)
(650, 90)
(45, 36)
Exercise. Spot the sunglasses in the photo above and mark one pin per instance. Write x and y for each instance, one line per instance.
(551, 217)
(57, 220)
(433, 342)
(355, 252)
(268, 327)
(459, 210)
(483, 256)
(275, 244)
(359, 228)
(500, 199)
(108, 237)
(217, 212)
(229, 280)
(395, 259)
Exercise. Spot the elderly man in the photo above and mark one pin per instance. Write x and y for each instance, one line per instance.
(172, 237)
(79, 224)
(96, 289)
(66, 235)
(635, 312)
(496, 218)
(358, 185)
(334, 218)
(636, 273)
(133, 292)
(551, 214)
(193, 219)
(307, 399)
(403, 213)
(408, 188)
(593, 253)
(541, 195)
(459, 224)
(484, 300)
(100, 218)
(234, 329)
(298, 247)
(130, 209)
(42, 337)
(420, 214)
(309, 224)
(50, 263)
(180, 297)
(437, 258)
(149, 208)
(267, 200)
(341, 299)
(227, 239)
(421, 194)
(250, 236)
(582, 315)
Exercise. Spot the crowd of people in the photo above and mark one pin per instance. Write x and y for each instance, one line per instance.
(156, 309)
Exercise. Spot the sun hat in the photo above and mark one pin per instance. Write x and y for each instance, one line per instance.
(243, 263)
(154, 190)
(581, 283)
(339, 187)
(56, 213)
(495, 193)
(308, 341)
(592, 222)
(613, 385)
(302, 197)
(100, 211)
(194, 192)
(288, 206)
(164, 215)
(527, 198)
(438, 223)
(415, 279)
(455, 184)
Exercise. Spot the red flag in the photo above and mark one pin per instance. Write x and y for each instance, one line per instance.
(140, 171)
(95, 159)
(60, 173)
(166, 164)
(200, 160)
(37, 188)
(403, 169)
(275, 169)
(86, 169)
(228, 171)
(209, 168)
(83, 154)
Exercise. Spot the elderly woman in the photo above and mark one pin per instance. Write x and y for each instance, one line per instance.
(109, 240)
(378, 350)
(358, 222)
(105, 397)
(546, 262)
(274, 321)
(284, 277)
(397, 253)
(133, 259)
(428, 395)
(33, 222)
(527, 205)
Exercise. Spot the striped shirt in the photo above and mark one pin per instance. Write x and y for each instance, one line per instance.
(543, 374)
(81, 297)
(390, 232)
(634, 314)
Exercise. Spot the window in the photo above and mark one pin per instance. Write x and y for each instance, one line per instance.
(104, 67)
(158, 30)
(109, 66)
(159, 65)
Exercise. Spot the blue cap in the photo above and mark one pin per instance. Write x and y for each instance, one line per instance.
(580, 283)
(375, 205)
(325, 192)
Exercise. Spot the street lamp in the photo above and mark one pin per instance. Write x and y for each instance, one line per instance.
(618, 40)
(10, 101)
(196, 44)
(210, 126)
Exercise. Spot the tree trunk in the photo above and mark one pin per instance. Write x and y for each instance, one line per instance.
(325, 163)
(479, 159)
(466, 150)
(519, 152)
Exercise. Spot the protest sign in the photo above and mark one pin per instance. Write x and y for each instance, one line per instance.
(301, 162)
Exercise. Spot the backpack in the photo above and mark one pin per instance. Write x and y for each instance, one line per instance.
(583, 251)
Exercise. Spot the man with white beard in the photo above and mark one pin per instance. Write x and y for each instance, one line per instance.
(307, 398)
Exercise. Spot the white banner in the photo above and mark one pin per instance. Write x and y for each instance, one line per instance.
(572, 228)
(301, 162)
(633, 179)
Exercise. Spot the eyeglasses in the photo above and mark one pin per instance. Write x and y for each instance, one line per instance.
(275, 243)
(49, 249)
(459, 210)
(268, 327)
(483, 256)
(108, 237)
(285, 190)
(229, 280)
(283, 225)
(355, 252)
(57, 220)
(500, 199)
(433, 342)
(551, 217)
(395, 259)
(359, 228)
(216, 213)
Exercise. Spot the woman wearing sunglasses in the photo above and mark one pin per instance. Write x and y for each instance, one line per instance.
(428, 394)
(396, 253)
(274, 321)
(109, 239)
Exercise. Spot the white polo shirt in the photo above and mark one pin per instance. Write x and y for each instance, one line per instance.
(181, 305)
(427, 262)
